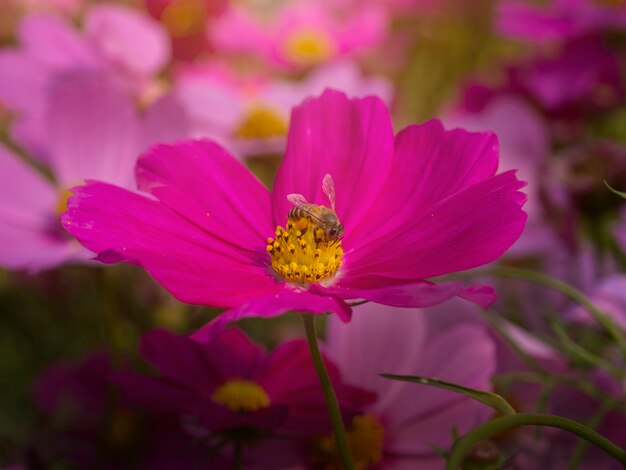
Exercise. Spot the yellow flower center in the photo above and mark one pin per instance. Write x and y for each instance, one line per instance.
(262, 122)
(241, 395)
(184, 17)
(308, 47)
(365, 439)
(301, 254)
(64, 195)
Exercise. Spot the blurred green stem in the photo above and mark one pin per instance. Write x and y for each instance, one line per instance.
(237, 455)
(498, 425)
(329, 393)
(570, 292)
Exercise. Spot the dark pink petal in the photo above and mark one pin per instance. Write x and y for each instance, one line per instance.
(204, 184)
(352, 140)
(302, 391)
(93, 132)
(194, 265)
(179, 359)
(233, 354)
(417, 294)
(430, 164)
(273, 305)
(156, 393)
(280, 381)
(467, 229)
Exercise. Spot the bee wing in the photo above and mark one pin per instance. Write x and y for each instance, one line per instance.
(296, 199)
(328, 186)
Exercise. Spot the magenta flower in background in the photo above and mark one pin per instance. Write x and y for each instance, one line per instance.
(92, 131)
(230, 383)
(81, 424)
(127, 47)
(420, 205)
(407, 420)
(558, 19)
(251, 116)
(301, 35)
(584, 74)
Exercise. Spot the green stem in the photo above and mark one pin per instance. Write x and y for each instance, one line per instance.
(571, 292)
(498, 425)
(593, 423)
(237, 455)
(329, 393)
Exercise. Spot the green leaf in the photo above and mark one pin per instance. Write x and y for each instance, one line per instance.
(493, 400)
(615, 191)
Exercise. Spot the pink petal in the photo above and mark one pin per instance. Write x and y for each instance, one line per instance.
(203, 183)
(464, 355)
(273, 305)
(352, 140)
(22, 81)
(233, 354)
(470, 228)
(366, 27)
(357, 348)
(178, 359)
(93, 131)
(430, 164)
(237, 31)
(27, 219)
(417, 294)
(194, 265)
(54, 43)
(128, 39)
(164, 121)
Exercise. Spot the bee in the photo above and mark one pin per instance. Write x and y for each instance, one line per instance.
(325, 220)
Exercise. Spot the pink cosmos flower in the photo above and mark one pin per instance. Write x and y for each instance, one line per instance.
(251, 116)
(230, 383)
(558, 19)
(420, 205)
(300, 35)
(407, 420)
(118, 42)
(92, 131)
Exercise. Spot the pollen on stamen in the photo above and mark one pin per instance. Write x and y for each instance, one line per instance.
(301, 256)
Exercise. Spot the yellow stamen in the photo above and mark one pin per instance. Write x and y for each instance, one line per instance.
(301, 255)
(64, 195)
(262, 122)
(365, 439)
(241, 395)
(184, 17)
(308, 47)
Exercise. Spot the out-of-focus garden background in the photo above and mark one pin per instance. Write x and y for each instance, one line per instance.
(85, 82)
